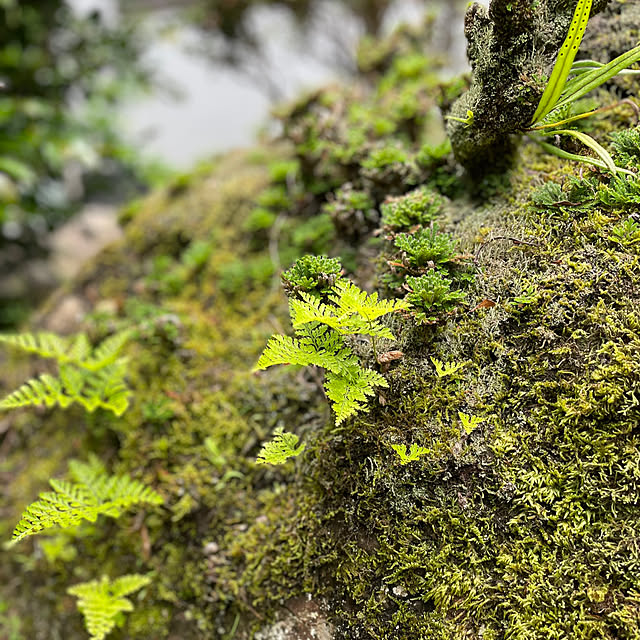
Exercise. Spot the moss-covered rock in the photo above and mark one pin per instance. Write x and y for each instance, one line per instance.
(518, 523)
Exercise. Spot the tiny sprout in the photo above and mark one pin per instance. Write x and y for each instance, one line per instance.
(469, 423)
(415, 452)
(444, 369)
(468, 121)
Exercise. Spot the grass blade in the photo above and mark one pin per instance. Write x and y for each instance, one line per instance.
(566, 56)
(586, 82)
(561, 153)
(588, 141)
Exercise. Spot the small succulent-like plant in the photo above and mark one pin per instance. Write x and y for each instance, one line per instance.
(425, 246)
(418, 207)
(312, 274)
(430, 294)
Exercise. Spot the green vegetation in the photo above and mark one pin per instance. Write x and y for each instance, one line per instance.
(425, 246)
(93, 493)
(430, 294)
(94, 378)
(282, 447)
(320, 340)
(418, 207)
(415, 452)
(48, 54)
(312, 274)
(518, 519)
(102, 602)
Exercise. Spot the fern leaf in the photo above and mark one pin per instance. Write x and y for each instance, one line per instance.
(304, 352)
(350, 395)
(70, 503)
(415, 452)
(79, 349)
(108, 351)
(44, 344)
(45, 390)
(565, 59)
(101, 602)
(350, 299)
(282, 447)
(105, 388)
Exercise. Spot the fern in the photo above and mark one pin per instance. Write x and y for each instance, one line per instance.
(350, 394)
(280, 449)
(349, 299)
(320, 327)
(415, 452)
(444, 369)
(92, 378)
(469, 422)
(93, 493)
(102, 602)
(349, 313)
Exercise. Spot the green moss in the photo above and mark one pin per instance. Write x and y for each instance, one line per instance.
(522, 529)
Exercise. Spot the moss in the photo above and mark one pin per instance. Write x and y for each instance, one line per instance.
(524, 528)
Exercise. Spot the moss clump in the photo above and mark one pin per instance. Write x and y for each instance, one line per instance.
(418, 207)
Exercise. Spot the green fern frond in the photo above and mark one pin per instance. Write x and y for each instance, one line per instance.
(310, 310)
(415, 452)
(104, 389)
(45, 390)
(350, 299)
(70, 503)
(75, 350)
(320, 327)
(305, 352)
(101, 601)
(350, 395)
(107, 352)
(45, 345)
(283, 446)
(94, 379)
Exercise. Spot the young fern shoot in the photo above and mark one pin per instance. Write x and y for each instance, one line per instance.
(320, 329)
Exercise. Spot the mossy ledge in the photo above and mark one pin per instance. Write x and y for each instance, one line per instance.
(511, 47)
(523, 529)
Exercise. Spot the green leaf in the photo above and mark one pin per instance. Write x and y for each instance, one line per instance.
(350, 394)
(102, 602)
(415, 452)
(282, 447)
(586, 82)
(565, 59)
(561, 153)
(588, 141)
(69, 503)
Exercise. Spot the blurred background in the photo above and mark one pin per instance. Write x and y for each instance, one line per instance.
(101, 100)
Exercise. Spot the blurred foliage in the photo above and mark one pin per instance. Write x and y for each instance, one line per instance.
(229, 17)
(61, 76)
